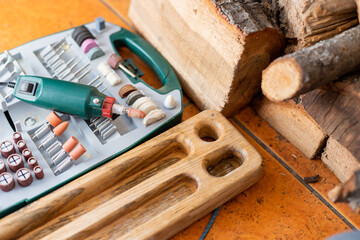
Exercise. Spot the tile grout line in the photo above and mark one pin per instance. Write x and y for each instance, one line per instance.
(186, 104)
(119, 16)
(295, 174)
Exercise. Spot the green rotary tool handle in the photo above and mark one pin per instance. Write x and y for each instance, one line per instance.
(150, 56)
(62, 96)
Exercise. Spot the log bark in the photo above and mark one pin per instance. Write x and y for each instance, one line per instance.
(217, 47)
(336, 108)
(312, 67)
(306, 22)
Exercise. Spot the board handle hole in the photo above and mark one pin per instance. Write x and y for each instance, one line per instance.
(209, 132)
(222, 162)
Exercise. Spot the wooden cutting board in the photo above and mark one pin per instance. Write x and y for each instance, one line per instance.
(150, 192)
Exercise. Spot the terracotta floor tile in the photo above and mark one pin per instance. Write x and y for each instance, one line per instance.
(194, 231)
(189, 111)
(22, 20)
(276, 207)
(296, 160)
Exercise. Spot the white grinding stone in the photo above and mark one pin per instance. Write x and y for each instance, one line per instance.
(140, 101)
(153, 116)
(169, 102)
(104, 68)
(147, 107)
(113, 79)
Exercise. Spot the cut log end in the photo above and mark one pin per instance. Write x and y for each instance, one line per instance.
(281, 80)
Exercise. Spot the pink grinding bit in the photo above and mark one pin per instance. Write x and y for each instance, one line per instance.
(88, 44)
(114, 60)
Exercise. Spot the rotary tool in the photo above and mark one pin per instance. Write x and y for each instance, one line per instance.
(69, 97)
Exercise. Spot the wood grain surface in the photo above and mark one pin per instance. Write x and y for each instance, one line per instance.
(194, 37)
(180, 176)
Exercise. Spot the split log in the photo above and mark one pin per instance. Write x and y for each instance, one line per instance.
(329, 111)
(217, 47)
(358, 7)
(309, 21)
(339, 160)
(312, 67)
(336, 109)
(294, 123)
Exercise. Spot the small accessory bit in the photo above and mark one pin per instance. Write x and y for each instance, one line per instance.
(15, 162)
(7, 182)
(66, 148)
(24, 177)
(16, 137)
(57, 131)
(7, 148)
(115, 62)
(39, 173)
(32, 163)
(74, 155)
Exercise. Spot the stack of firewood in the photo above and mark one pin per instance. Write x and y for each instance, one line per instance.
(316, 116)
(221, 51)
(312, 95)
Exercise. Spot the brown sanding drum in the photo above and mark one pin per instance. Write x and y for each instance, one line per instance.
(16, 137)
(24, 177)
(21, 145)
(2, 166)
(27, 154)
(32, 163)
(39, 173)
(15, 162)
(7, 148)
(7, 182)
